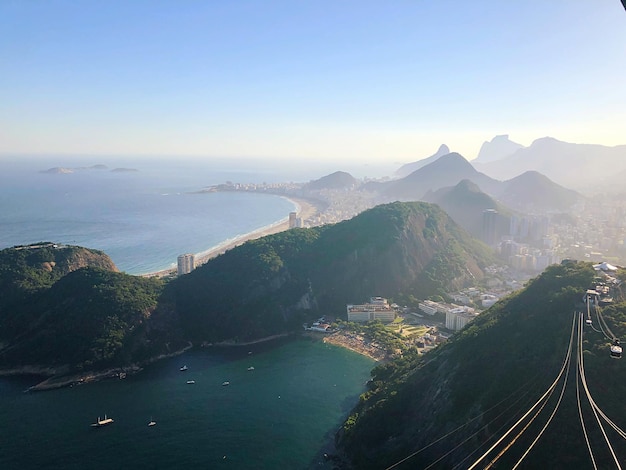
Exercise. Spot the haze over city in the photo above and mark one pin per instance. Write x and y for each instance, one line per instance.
(330, 81)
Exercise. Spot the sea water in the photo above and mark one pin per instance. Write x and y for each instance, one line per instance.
(142, 219)
(278, 416)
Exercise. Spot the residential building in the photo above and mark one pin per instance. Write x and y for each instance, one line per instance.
(186, 263)
(457, 318)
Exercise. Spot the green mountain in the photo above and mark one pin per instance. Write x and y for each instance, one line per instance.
(27, 271)
(67, 308)
(447, 407)
(268, 285)
(59, 314)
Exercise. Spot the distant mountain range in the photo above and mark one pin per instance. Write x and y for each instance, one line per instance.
(447, 170)
(586, 167)
(530, 192)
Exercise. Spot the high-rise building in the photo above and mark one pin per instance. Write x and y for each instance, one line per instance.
(186, 263)
(490, 220)
(293, 219)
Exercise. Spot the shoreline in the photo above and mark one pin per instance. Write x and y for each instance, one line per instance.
(234, 344)
(56, 378)
(344, 341)
(305, 208)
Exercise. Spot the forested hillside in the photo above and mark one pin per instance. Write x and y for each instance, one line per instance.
(269, 285)
(483, 380)
(67, 307)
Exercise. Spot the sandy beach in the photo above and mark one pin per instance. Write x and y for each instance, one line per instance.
(348, 341)
(304, 208)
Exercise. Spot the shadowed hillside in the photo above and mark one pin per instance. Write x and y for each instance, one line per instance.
(465, 203)
(482, 381)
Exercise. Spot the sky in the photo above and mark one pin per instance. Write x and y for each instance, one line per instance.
(323, 80)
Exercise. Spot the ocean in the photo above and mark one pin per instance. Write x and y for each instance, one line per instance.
(143, 220)
(281, 415)
(278, 416)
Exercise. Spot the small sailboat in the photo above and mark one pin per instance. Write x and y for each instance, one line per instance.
(184, 368)
(102, 422)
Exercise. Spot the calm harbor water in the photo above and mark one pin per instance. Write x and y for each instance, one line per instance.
(277, 416)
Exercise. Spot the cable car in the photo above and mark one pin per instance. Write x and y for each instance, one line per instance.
(616, 349)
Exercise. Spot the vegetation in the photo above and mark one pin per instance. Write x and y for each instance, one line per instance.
(518, 344)
(68, 306)
(55, 311)
(376, 332)
(273, 284)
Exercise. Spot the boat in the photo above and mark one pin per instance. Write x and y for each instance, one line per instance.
(184, 368)
(102, 422)
(191, 381)
(224, 384)
(251, 368)
(152, 422)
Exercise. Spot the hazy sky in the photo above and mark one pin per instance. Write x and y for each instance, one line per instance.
(331, 80)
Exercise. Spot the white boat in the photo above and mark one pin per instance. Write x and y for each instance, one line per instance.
(191, 381)
(251, 368)
(224, 384)
(152, 422)
(102, 422)
(184, 368)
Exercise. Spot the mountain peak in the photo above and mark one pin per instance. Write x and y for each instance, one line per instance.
(500, 147)
(443, 150)
(336, 180)
(409, 168)
(452, 158)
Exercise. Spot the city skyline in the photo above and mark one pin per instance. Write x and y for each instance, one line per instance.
(354, 81)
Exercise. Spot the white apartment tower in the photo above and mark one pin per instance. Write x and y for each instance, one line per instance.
(186, 263)
(293, 219)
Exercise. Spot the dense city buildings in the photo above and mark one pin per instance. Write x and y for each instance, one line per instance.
(593, 230)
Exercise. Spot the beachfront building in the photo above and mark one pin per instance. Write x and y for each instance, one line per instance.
(377, 309)
(186, 263)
